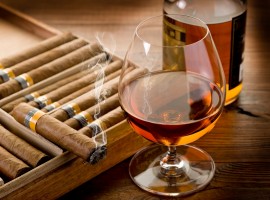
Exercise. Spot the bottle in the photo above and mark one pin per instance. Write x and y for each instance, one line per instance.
(226, 20)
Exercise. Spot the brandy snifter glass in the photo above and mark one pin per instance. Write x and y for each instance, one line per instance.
(172, 89)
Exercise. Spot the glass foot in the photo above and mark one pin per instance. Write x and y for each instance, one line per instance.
(194, 171)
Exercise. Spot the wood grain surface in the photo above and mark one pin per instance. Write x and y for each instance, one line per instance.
(240, 142)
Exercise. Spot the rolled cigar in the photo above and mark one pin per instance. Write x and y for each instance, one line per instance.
(36, 49)
(40, 59)
(78, 93)
(104, 122)
(47, 70)
(30, 97)
(89, 99)
(55, 131)
(29, 136)
(85, 117)
(21, 149)
(85, 101)
(75, 86)
(85, 65)
(10, 166)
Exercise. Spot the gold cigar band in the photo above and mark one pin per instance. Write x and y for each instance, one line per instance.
(32, 96)
(52, 106)
(72, 109)
(32, 117)
(7, 74)
(25, 80)
(1, 66)
(42, 101)
(83, 118)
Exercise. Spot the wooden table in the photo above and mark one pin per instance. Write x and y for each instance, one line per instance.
(240, 142)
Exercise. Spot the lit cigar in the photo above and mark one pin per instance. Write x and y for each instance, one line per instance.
(85, 101)
(104, 122)
(30, 97)
(78, 93)
(85, 117)
(36, 49)
(72, 87)
(21, 149)
(55, 131)
(10, 166)
(45, 71)
(40, 59)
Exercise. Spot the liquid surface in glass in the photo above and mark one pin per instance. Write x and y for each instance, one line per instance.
(166, 107)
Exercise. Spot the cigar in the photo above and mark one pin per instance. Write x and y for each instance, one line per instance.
(78, 93)
(85, 65)
(72, 87)
(30, 97)
(55, 131)
(21, 149)
(36, 49)
(45, 71)
(10, 166)
(29, 136)
(40, 60)
(85, 101)
(85, 117)
(104, 122)
(51, 83)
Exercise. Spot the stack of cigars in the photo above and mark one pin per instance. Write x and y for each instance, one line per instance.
(64, 91)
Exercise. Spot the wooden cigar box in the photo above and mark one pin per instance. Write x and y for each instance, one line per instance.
(65, 171)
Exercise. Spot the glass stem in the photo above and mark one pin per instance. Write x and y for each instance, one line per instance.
(171, 164)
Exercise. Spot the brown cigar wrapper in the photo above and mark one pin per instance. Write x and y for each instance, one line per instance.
(51, 68)
(36, 49)
(10, 166)
(46, 57)
(58, 132)
(105, 106)
(106, 121)
(21, 149)
(29, 136)
(64, 62)
(9, 106)
(88, 100)
(81, 83)
(83, 90)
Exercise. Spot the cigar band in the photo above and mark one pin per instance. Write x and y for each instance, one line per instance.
(97, 126)
(25, 80)
(42, 101)
(1, 66)
(7, 74)
(32, 96)
(32, 117)
(52, 106)
(72, 109)
(83, 118)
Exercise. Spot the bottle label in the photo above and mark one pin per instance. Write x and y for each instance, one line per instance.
(174, 34)
(237, 50)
